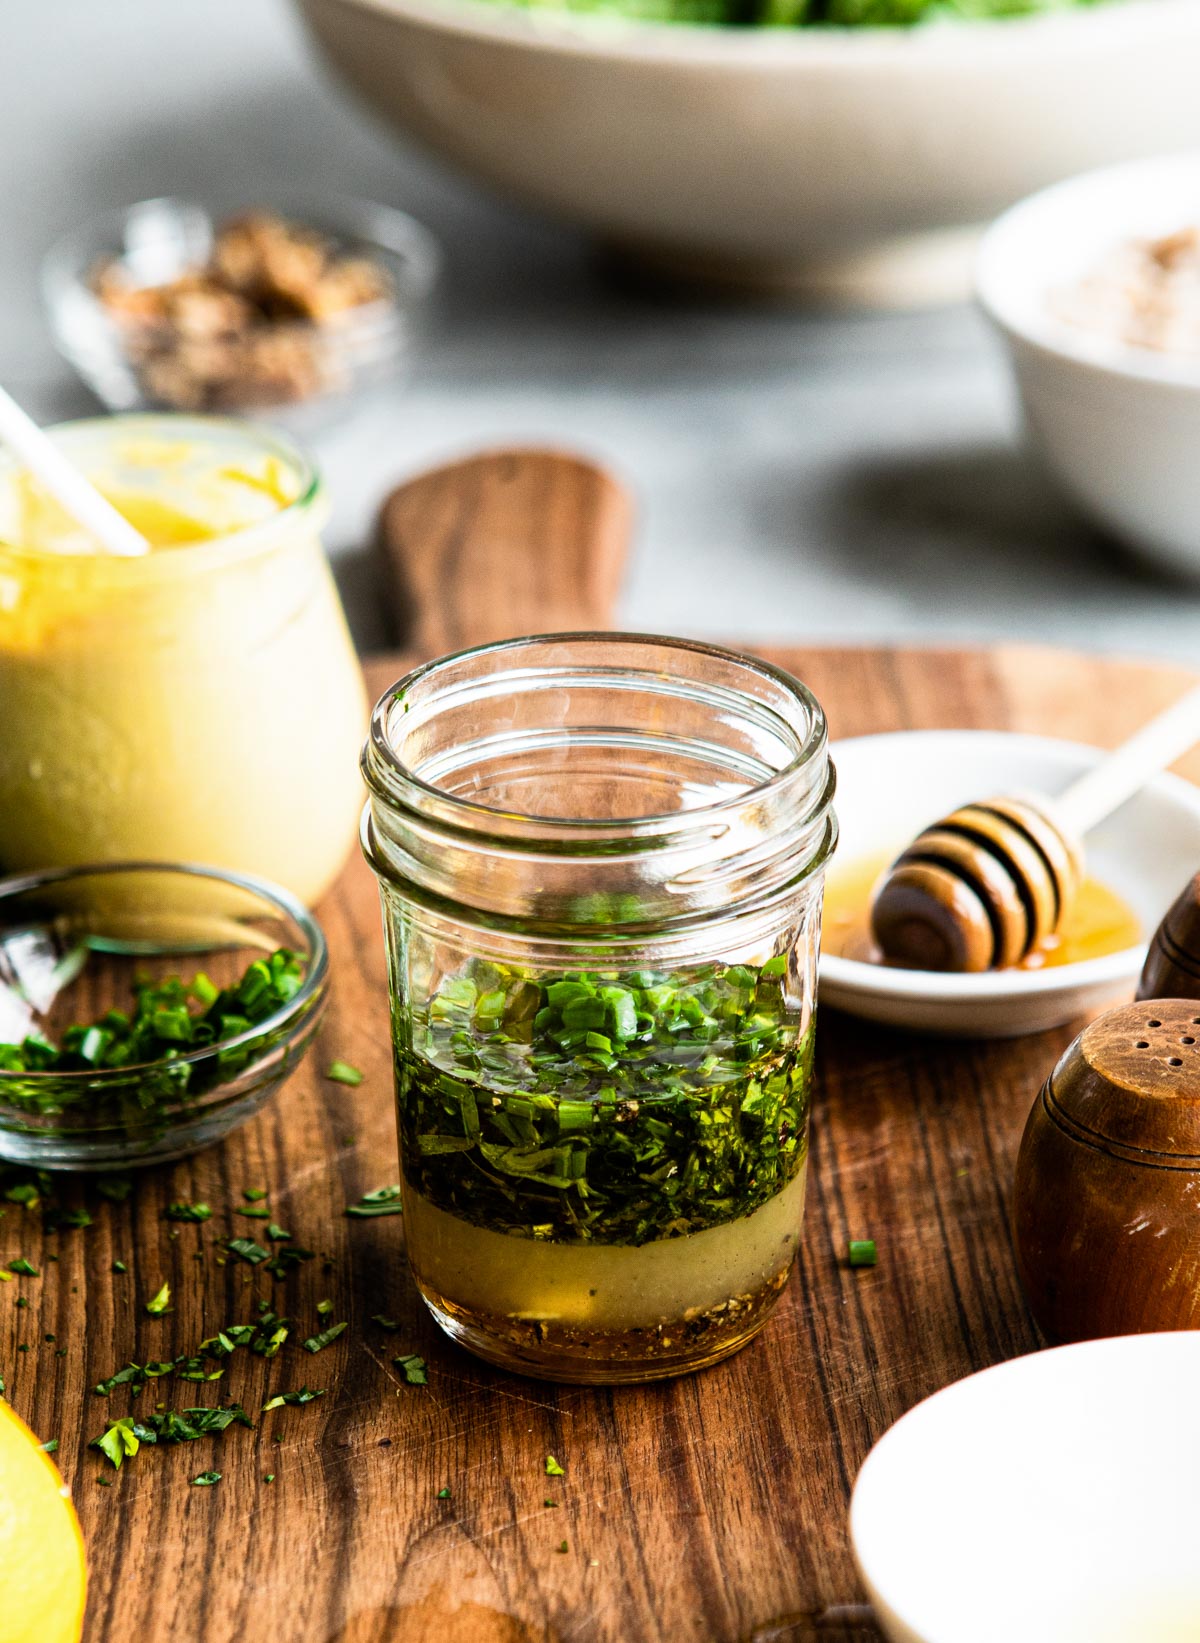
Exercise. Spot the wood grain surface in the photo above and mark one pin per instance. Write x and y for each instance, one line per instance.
(509, 542)
(706, 1510)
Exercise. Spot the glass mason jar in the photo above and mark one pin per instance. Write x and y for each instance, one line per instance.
(201, 703)
(601, 861)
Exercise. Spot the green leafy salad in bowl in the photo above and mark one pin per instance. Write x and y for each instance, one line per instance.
(801, 13)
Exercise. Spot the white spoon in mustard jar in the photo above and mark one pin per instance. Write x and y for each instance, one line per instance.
(71, 489)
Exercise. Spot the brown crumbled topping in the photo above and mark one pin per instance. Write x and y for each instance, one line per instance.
(256, 325)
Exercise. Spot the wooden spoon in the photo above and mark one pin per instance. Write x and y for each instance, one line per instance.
(504, 544)
(980, 889)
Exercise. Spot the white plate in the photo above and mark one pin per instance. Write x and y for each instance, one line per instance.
(1053, 1499)
(889, 787)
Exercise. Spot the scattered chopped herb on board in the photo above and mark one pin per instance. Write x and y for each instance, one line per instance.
(383, 1201)
(205, 1479)
(132, 1374)
(116, 1188)
(341, 1072)
(50, 1447)
(249, 1250)
(254, 1195)
(22, 1300)
(413, 1368)
(159, 1303)
(862, 1252)
(305, 1395)
(5, 1277)
(613, 1106)
(443, 1494)
(563, 1547)
(324, 1308)
(277, 1234)
(268, 1477)
(124, 1437)
(188, 1212)
(23, 1268)
(383, 1321)
(317, 1343)
(285, 1258)
(258, 1212)
(553, 1469)
(549, 1502)
(119, 1266)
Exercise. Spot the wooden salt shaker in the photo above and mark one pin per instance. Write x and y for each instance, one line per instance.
(1106, 1204)
(1172, 968)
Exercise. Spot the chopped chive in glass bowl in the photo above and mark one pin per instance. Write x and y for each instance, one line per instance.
(146, 1009)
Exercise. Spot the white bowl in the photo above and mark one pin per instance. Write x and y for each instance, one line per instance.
(1048, 1500)
(1118, 425)
(890, 787)
(772, 156)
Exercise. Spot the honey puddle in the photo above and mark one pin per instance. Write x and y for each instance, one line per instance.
(1100, 922)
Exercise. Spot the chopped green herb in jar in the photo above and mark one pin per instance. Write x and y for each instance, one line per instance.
(616, 1107)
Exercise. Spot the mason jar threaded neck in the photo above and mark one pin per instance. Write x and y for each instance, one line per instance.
(577, 782)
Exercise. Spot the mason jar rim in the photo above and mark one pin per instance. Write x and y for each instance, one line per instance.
(243, 541)
(387, 775)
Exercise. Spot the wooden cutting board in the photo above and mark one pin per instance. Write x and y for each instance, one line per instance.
(706, 1510)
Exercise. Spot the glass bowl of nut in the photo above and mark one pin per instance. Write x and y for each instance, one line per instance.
(282, 310)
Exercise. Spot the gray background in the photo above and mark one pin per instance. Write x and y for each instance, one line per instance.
(831, 476)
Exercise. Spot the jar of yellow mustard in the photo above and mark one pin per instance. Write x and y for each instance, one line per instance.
(201, 702)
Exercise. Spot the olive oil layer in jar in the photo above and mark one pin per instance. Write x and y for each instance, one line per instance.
(601, 861)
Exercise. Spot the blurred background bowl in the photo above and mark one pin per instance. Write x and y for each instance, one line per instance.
(1117, 425)
(828, 161)
(158, 240)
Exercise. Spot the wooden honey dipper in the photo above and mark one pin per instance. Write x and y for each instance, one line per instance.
(980, 889)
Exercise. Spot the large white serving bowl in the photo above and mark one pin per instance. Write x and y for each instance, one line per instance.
(773, 156)
(1118, 425)
(889, 787)
(1052, 1499)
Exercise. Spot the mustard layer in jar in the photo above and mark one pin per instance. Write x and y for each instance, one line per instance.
(202, 703)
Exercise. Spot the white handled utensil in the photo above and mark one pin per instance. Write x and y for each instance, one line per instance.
(66, 484)
(983, 887)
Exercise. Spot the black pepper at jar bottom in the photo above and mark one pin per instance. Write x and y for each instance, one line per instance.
(603, 1094)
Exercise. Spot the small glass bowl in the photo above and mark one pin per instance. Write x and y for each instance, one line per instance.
(157, 240)
(74, 943)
